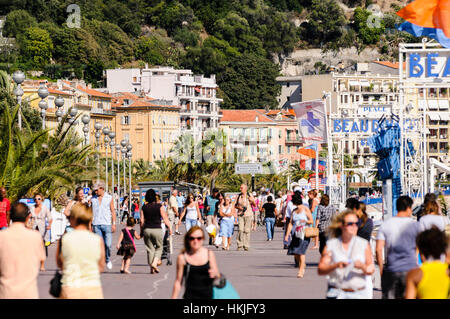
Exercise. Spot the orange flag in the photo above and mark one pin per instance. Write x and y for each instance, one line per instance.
(307, 152)
(428, 14)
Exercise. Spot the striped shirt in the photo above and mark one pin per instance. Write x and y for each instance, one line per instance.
(325, 215)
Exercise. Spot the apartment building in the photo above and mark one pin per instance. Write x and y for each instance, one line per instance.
(286, 136)
(196, 95)
(150, 125)
(251, 135)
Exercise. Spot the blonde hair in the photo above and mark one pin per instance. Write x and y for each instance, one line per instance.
(81, 214)
(334, 230)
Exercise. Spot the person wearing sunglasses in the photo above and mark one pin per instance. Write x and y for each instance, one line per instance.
(196, 267)
(41, 219)
(192, 212)
(346, 259)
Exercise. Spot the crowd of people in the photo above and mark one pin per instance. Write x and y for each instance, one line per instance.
(412, 253)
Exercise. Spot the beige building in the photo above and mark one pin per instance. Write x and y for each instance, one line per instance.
(152, 126)
(75, 94)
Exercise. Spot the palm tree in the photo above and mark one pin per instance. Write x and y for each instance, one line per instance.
(31, 161)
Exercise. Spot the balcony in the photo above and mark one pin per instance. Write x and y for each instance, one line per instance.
(433, 150)
(293, 140)
(101, 111)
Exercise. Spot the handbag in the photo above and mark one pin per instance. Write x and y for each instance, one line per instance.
(311, 232)
(55, 283)
(223, 289)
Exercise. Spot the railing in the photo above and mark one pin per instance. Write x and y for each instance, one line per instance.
(293, 140)
(101, 111)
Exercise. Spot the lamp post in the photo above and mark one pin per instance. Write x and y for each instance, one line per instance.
(59, 102)
(43, 105)
(124, 143)
(86, 119)
(98, 134)
(118, 148)
(106, 140)
(73, 113)
(111, 146)
(18, 78)
(129, 148)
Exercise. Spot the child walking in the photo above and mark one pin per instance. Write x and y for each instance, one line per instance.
(126, 246)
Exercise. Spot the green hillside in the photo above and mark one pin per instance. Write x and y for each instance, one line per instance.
(236, 40)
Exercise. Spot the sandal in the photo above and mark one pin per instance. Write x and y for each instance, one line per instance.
(155, 269)
(127, 271)
(122, 271)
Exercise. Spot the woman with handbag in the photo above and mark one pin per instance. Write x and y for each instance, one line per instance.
(227, 223)
(126, 246)
(197, 266)
(300, 218)
(346, 259)
(81, 256)
(314, 203)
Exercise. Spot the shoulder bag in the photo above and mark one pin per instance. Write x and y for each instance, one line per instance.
(55, 283)
(223, 289)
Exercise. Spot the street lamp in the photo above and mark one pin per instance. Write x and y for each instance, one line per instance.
(124, 151)
(59, 102)
(18, 78)
(112, 135)
(106, 131)
(118, 148)
(129, 148)
(86, 119)
(73, 113)
(98, 127)
(43, 105)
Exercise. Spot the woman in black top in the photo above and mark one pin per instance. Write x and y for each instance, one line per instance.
(197, 266)
(152, 213)
(270, 212)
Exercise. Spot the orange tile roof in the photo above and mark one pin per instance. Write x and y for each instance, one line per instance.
(54, 91)
(93, 92)
(243, 116)
(393, 65)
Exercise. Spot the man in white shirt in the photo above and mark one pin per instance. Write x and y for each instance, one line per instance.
(104, 222)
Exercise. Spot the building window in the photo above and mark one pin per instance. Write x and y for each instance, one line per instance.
(288, 84)
(125, 120)
(126, 136)
(279, 149)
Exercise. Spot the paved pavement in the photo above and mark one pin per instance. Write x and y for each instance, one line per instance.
(264, 272)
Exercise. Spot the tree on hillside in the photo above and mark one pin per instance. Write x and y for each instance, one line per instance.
(37, 46)
(325, 23)
(369, 34)
(249, 82)
(17, 22)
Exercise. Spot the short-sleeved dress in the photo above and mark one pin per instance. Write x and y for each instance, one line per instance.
(298, 246)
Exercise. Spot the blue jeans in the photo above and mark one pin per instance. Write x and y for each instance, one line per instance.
(105, 232)
(190, 223)
(270, 226)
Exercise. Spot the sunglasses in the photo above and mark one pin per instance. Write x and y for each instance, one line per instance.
(38, 198)
(351, 224)
(195, 238)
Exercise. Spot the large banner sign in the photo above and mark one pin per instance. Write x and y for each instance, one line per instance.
(428, 65)
(312, 119)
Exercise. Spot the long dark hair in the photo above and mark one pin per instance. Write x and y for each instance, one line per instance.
(77, 190)
(150, 196)
(188, 199)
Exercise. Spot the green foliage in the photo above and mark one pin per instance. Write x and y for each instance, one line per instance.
(17, 22)
(32, 161)
(249, 81)
(368, 34)
(37, 46)
(325, 23)
(157, 49)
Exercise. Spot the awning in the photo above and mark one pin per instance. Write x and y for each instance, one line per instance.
(433, 104)
(364, 83)
(445, 116)
(237, 146)
(353, 83)
(434, 116)
(422, 104)
(443, 104)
